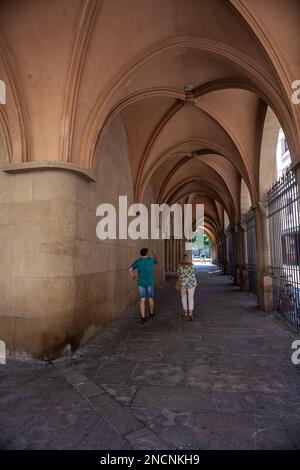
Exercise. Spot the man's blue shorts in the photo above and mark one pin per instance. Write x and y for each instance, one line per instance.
(146, 291)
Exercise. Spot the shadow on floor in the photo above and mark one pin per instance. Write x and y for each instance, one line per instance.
(224, 381)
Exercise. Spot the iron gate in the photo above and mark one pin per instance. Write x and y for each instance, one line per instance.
(251, 250)
(283, 206)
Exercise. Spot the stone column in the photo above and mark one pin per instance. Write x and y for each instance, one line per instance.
(220, 253)
(178, 253)
(224, 254)
(236, 254)
(170, 254)
(242, 256)
(179, 250)
(216, 258)
(263, 278)
(167, 255)
(214, 253)
(173, 253)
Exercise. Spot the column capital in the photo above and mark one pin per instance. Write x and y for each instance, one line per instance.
(241, 225)
(261, 207)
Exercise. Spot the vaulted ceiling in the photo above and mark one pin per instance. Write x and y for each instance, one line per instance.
(191, 80)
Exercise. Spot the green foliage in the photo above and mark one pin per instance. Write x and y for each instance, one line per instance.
(206, 240)
(200, 240)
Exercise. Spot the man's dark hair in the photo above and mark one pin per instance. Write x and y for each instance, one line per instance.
(144, 251)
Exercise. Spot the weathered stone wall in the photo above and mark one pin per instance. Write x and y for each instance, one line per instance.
(59, 283)
(101, 267)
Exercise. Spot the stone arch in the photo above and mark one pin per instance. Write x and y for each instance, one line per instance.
(226, 221)
(214, 148)
(213, 190)
(247, 66)
(267, 163)
(12, 87)
(5, 135)
(245, 199)
(3, 148)
(214, 171)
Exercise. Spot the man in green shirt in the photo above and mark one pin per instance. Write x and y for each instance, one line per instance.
(141, 271)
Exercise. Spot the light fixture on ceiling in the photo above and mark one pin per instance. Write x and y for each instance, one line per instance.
(188, 88)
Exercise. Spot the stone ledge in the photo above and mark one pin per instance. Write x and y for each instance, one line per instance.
(50, 165)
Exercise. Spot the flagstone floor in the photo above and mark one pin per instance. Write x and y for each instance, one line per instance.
(224, 381)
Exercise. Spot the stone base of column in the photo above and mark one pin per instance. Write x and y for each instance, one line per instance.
(244, 280)
(265, 294)
(237, 277)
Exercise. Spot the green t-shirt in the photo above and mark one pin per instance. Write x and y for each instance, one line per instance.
(144, 267)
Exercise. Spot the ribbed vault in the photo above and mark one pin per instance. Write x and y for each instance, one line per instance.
(191, 87)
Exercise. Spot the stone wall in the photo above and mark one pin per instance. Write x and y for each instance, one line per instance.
(59, 283)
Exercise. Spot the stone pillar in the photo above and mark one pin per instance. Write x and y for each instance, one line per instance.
(170, 253)
(177, 253)
(167, 255)
(236, 255)
(220, 254)
(263, 278)
(214, 253)
(242, 256)
(179, 250)
(173, 253)
(224, 254)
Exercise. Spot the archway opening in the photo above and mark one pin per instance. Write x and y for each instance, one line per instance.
(283, 156)
(201, 247)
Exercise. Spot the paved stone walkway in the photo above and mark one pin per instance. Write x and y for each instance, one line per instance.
(225, 381)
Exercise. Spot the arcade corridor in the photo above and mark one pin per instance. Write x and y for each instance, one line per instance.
(173, 102)
(225, 381)
(136, 124)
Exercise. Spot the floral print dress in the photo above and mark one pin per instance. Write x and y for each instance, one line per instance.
(187, 276)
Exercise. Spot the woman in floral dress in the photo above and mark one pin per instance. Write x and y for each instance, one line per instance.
(188, 282)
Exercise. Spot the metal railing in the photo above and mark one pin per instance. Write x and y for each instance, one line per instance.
(284, 232)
